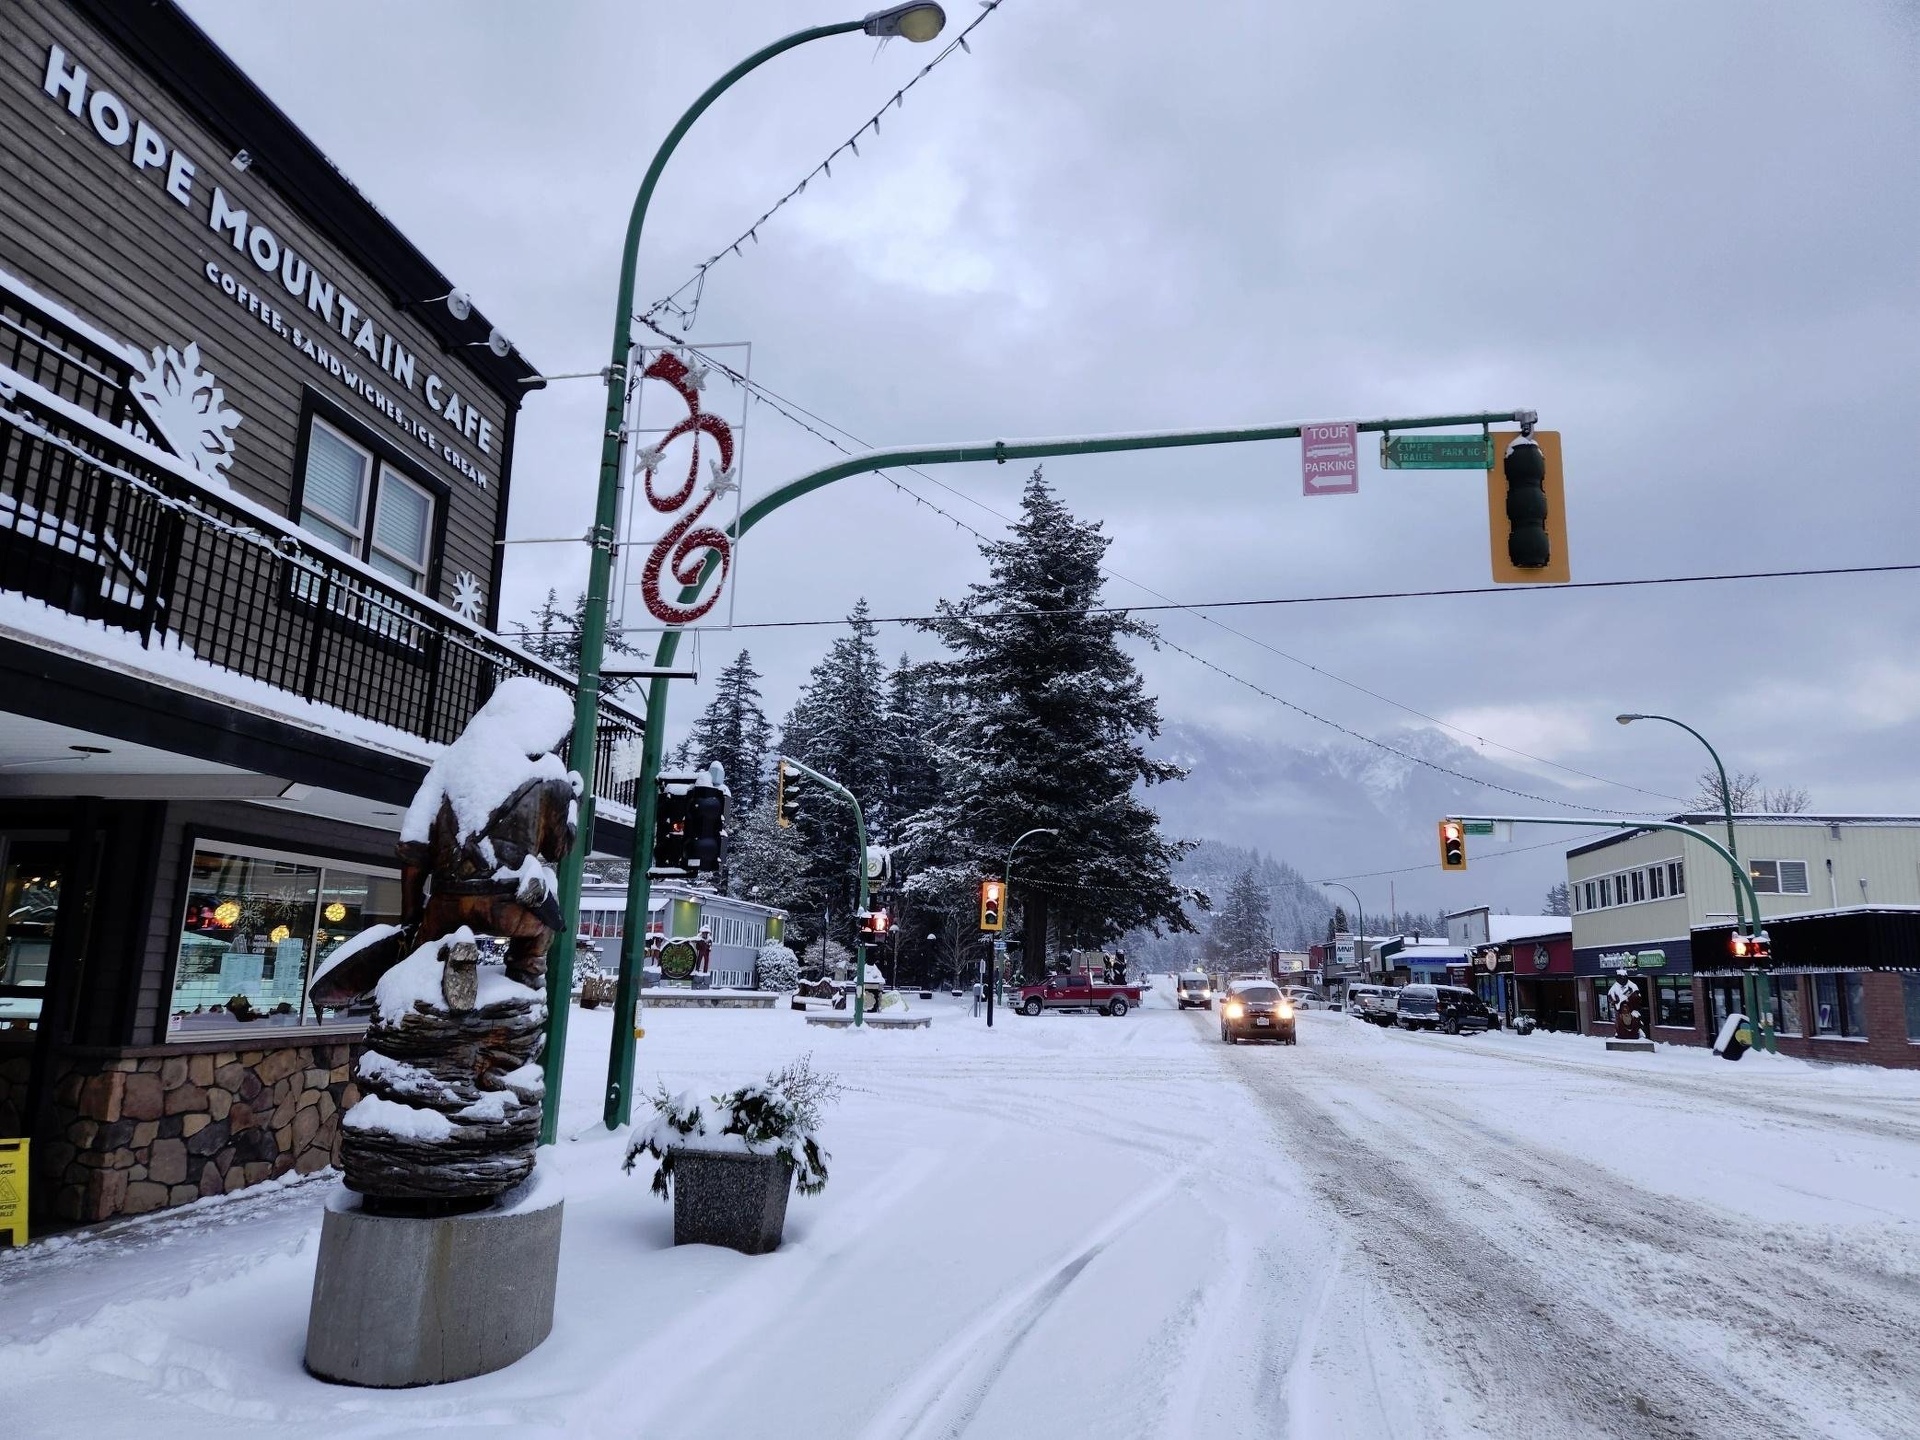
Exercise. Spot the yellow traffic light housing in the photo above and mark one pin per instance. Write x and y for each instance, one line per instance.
(786, 808)
(992, 905)
(1520, 479)
(1453, 845)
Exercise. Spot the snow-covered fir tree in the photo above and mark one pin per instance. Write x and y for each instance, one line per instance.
(1242, 930)
(552, 633)
(1040, 725)
(1301, 911)
(734, 730)
(765, 863)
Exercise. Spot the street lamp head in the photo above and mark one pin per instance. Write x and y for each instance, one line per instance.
(919, 21)
(1627, 719)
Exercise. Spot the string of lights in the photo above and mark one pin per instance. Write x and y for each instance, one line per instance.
(685, 311)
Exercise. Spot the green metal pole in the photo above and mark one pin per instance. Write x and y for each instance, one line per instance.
(1756, 985)
(620, 1065)
(860, 871)
(1360, 914)
(586, 713)
(1006, 899)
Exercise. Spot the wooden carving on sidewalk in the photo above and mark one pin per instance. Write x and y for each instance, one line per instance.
(451, 1078)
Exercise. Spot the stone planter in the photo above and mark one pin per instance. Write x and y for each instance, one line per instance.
(722, 1198)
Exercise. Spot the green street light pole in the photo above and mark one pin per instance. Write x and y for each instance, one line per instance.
(860, 870)
(1759, 987)
(916, 22)
(1006, 900)
(619, 1099)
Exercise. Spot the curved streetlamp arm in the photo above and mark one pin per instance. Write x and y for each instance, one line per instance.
(1726, 798)
(1359, 913)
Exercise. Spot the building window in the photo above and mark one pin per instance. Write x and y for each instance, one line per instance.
(1839, 1006)
(1656, 882)
(1676, 877)
(1786, 1005)
(1593, 895)
(1606, 891)
(344, 485)
(1778, 877)
(1910, 991)
(29, 905)
(256, 925)
(1602, 1006)
(1639, 893)
(1673, 1001)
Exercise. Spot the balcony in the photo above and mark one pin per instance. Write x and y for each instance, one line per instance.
(100, 521)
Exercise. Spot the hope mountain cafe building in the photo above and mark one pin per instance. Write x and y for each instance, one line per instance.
(255, 458)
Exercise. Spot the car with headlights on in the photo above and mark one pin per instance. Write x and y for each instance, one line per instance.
(1256, 1010)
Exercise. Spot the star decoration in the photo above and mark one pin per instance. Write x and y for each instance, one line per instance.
(650, 458)
(466, 596)
(722, 481)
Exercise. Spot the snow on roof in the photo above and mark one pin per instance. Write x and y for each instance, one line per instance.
(509, 742)
(1503, 929)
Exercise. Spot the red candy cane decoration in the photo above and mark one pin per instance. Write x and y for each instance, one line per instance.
(682, 551)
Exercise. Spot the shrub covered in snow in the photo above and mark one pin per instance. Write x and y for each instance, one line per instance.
(778, 1116)
(596, 985)
(778, 968)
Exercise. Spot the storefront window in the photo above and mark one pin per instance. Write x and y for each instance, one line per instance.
(1786, 1005)
(29, 902)
(254, 927)
(1673, 1001)
(1602, 1006)
(1910, 989)
(1839, 1005)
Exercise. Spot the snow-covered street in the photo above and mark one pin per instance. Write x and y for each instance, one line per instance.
(1076, 1225)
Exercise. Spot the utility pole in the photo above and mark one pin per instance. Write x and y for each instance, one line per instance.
(860, 872)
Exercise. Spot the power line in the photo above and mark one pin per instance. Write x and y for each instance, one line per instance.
(671, 303)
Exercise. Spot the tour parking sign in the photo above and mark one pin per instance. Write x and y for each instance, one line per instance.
(1330, 459)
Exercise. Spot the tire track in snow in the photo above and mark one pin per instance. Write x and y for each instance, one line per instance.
(1486, 1263)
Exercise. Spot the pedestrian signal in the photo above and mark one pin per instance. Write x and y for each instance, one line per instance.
(1453, 845)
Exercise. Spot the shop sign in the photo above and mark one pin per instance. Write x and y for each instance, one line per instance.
(1631, 960)
(321, 320)
(1542, 957)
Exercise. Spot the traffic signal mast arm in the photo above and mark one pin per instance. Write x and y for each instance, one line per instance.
(860, 870)
(1742, 882)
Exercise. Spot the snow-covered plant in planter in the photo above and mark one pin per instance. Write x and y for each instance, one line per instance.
(729, 1161)
(596, 986)
(778, 968)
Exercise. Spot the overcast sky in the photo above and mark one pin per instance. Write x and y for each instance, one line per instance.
(1685, 234)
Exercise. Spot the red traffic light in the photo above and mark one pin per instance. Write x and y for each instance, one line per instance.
(1758, 946)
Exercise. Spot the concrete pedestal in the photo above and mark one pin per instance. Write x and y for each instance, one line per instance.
(1644, 1047)
(403, 1301)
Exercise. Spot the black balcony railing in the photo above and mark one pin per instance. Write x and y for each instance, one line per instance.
(94, 521)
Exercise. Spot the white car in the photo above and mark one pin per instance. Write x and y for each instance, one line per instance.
(1376, 1004)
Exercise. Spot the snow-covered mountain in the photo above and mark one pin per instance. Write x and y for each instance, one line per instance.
(1349, 809)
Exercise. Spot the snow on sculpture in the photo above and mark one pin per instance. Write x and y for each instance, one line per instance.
(451, 1076)
(188, 408)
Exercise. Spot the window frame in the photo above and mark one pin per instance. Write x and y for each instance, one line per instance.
(317, 409)
(357, 528)
(1678, 986)
(376, 551)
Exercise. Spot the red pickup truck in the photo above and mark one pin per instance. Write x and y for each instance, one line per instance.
(1077, 990)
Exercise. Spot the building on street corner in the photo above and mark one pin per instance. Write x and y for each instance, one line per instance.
(1839, 894)
(1521, 964)
(255, 458)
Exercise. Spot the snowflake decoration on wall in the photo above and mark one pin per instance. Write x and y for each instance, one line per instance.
(188, 408)
(467, 597)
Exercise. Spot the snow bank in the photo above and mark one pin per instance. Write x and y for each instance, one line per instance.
(506, 744)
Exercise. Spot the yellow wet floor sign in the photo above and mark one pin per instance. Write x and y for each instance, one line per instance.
(13, 1191)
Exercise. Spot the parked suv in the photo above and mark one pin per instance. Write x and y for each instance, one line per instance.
(1193, 989)
(1372, 1003)
(1462, 1011)
(1417, 1007)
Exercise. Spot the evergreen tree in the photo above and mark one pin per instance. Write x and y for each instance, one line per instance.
(553, 634)
(912, 774)
(1338, 924)
(734, 730)
(836, 727)
(1242, 929)
(765, 863)
(1040, 722)
(1559, 900)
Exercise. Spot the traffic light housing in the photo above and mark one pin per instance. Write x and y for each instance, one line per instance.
(993, 913)
(1758, 946)
(1453, 845)
(1527, 509)
(671, 807)
(706, 829)
(875, 925)
(786, 802)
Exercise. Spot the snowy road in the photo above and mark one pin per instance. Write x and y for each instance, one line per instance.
(1081, 1226)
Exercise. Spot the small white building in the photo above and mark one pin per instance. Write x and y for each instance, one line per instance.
(678, 911)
